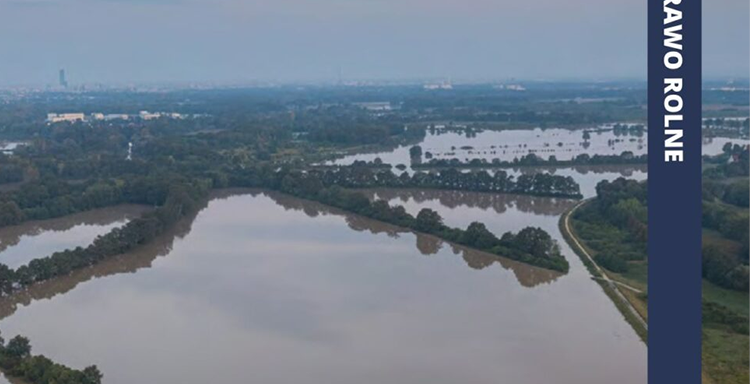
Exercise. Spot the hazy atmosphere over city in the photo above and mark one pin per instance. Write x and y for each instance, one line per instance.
(113, 41)
(116, 41)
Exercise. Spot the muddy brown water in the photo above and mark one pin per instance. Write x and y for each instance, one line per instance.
(261, 287)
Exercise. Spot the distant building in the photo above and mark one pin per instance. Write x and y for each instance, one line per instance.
(375, 105)
(98, 116)
(116, 116)
(61, 78)
(9, 148)
(69, 117)
(443, 85)
(146, 115)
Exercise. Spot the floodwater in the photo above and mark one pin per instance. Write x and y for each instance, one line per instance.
(588, 176)
(265, 288)
(9, 147)
(543, 143)
(511, 144)
(22, 243)
(714, 145)
(507, 145)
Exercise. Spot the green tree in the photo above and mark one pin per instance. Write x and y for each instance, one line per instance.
(415, 152)
(477, 235)
(92, 375)
(429, 221)
(18, 347)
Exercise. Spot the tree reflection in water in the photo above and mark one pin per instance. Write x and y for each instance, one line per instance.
(130, 262)
(527, 276)
(143, 257)
(500, 203)
(10, 236)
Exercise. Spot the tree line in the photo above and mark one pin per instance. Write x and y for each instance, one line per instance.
(531, 245)
(181, 199)
(532, 160)
(537, 184)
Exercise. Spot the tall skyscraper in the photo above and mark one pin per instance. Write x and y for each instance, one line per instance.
(63, 81)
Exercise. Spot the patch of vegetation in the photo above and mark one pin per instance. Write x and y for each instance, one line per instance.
(17, 361)
(725, 356)
(614, 227)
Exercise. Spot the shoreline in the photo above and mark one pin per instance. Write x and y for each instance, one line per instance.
(611, 287)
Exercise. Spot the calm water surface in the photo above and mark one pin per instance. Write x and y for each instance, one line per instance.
(266, 288)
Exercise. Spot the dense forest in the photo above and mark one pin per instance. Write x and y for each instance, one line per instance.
(615, 224)
(725, 220)
(725, 266)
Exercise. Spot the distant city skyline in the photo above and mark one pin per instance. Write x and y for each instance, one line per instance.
(120, 42)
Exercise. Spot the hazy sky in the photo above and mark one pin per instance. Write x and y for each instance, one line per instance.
(243, 40)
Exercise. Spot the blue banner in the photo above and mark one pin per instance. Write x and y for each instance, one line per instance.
(674, 191)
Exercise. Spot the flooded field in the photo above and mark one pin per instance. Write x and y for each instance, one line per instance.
(265, 288)
(588, 176)
(506, 145)
(713, 145)
(509, 144)
(22, 243)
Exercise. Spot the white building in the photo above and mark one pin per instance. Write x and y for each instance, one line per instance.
(69, 117)
(98, 116)
(115, 116)
(146, 115)
(375, 105)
